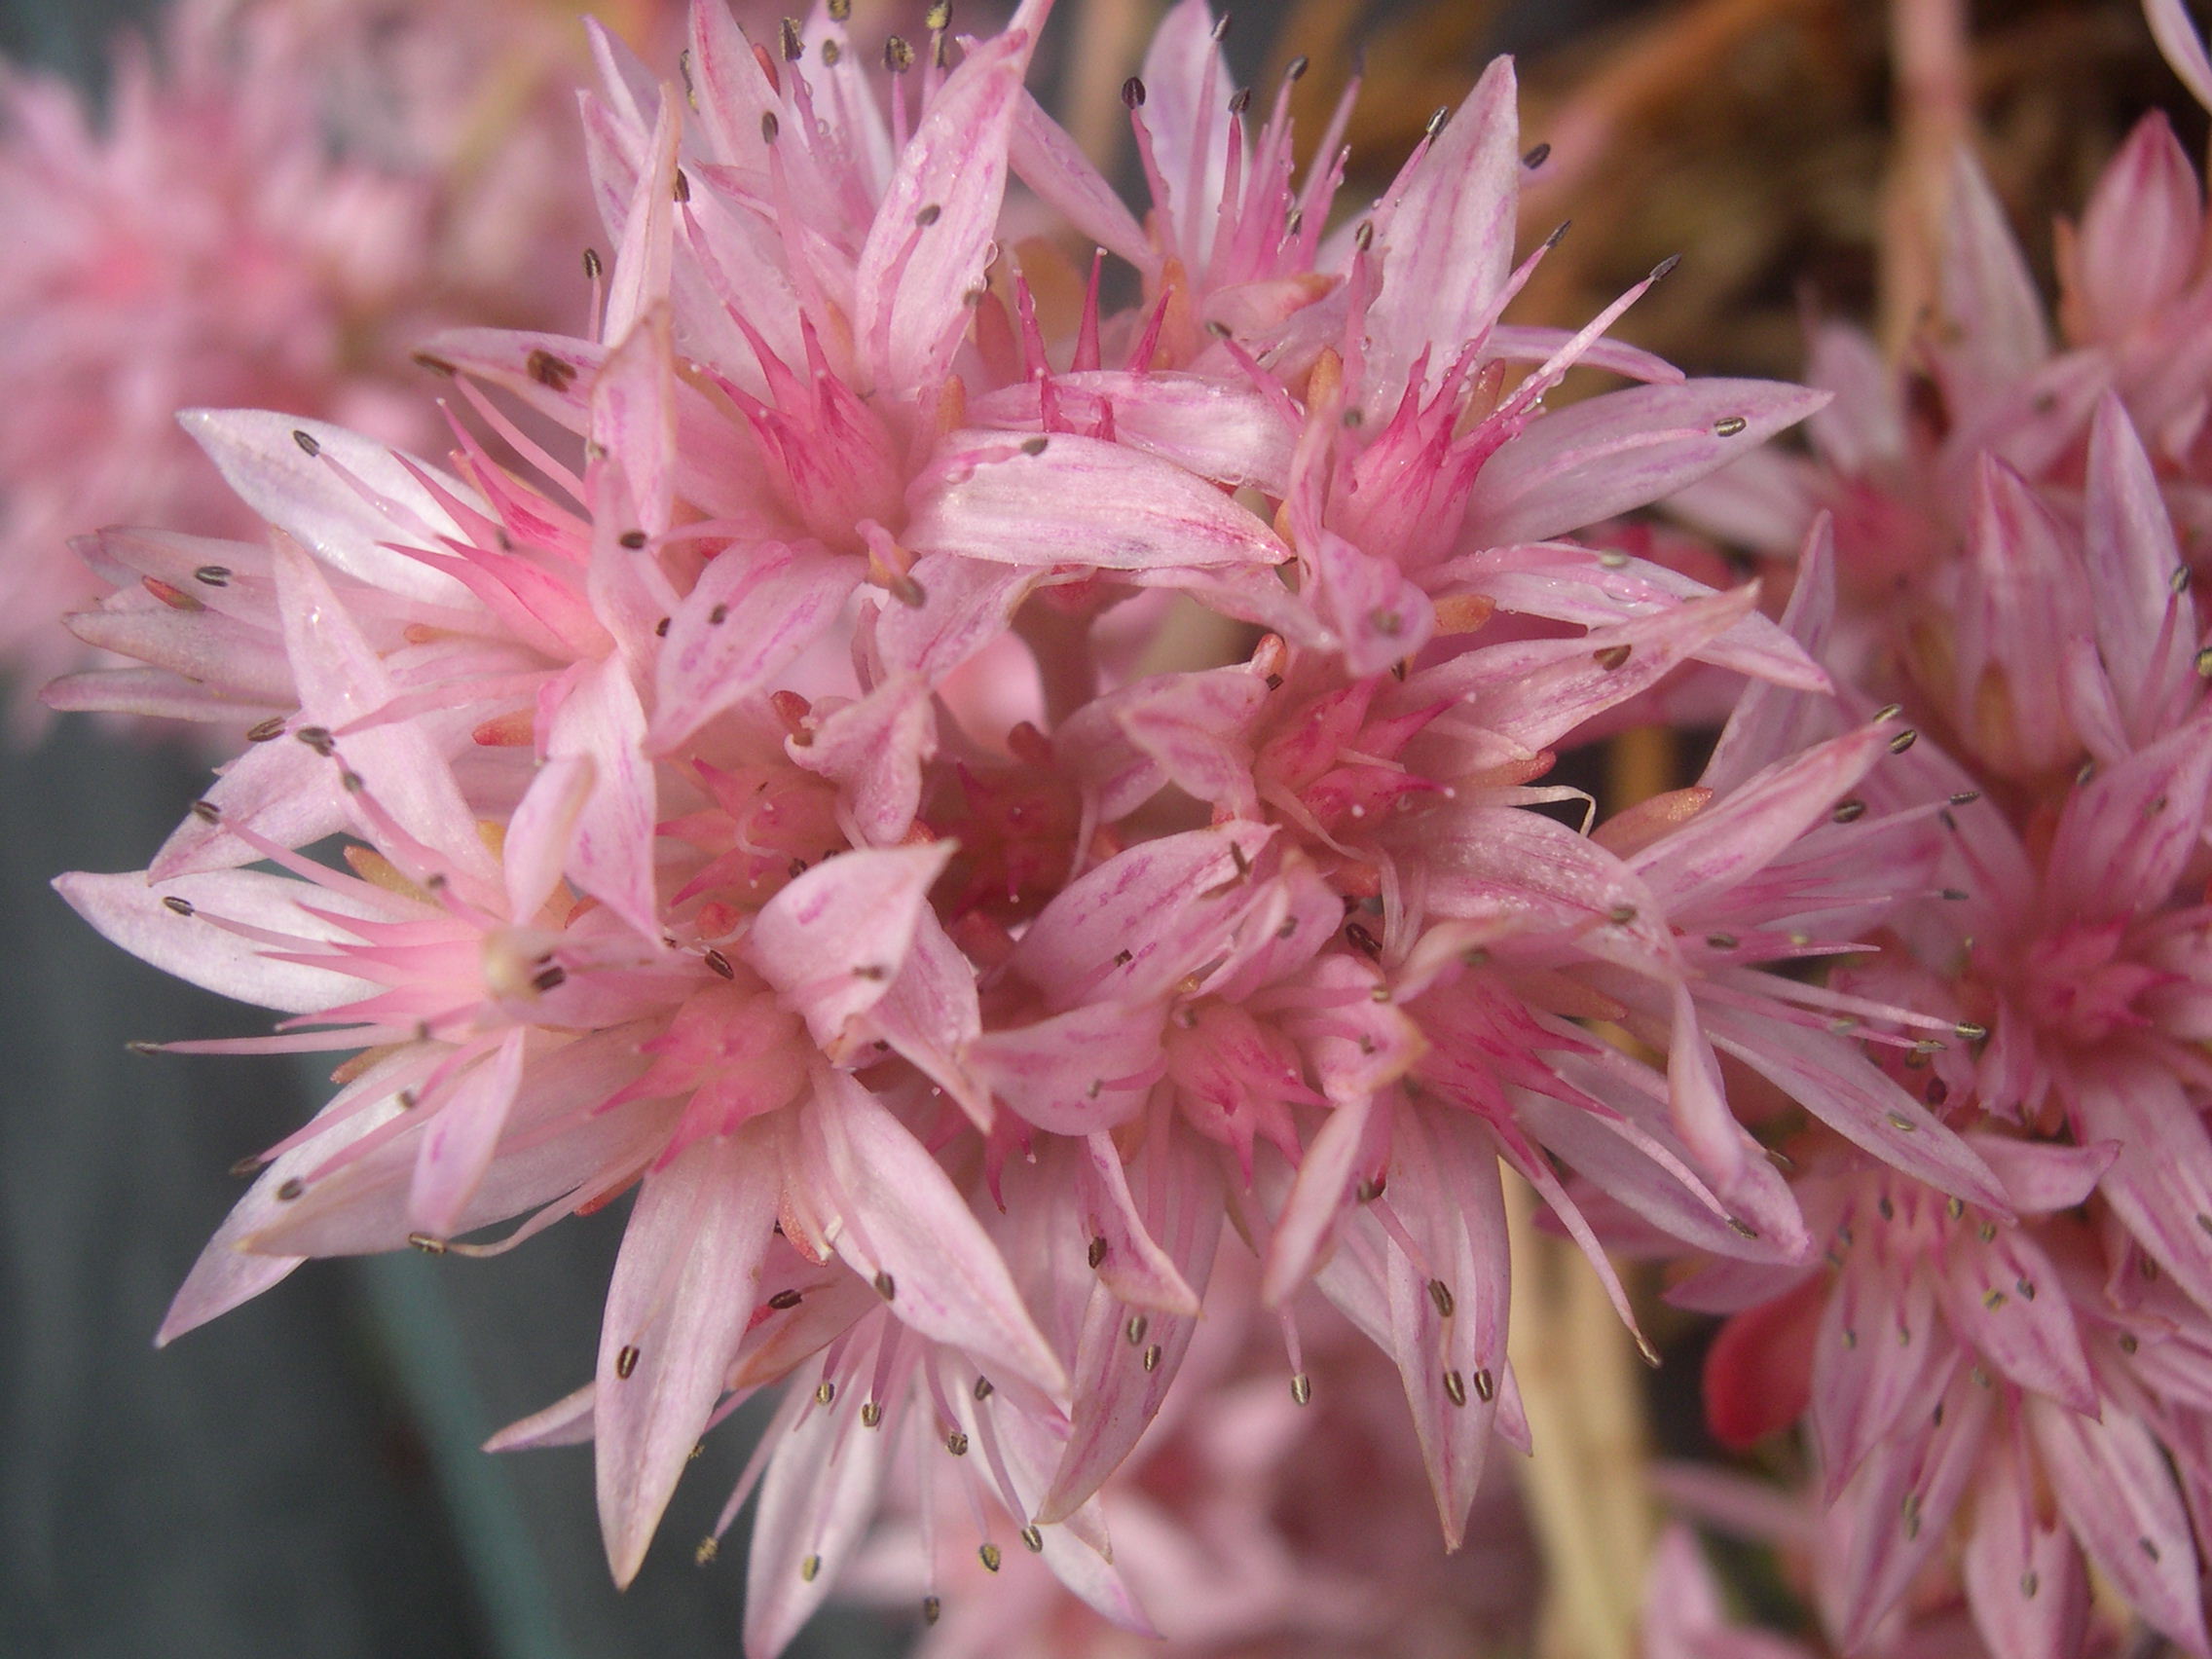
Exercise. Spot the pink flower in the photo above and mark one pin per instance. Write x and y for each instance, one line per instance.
(273, 215)
(2012, 1411)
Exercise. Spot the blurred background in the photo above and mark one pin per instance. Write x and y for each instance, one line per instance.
(302, 1480)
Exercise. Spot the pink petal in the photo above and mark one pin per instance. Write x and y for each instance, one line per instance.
(1134, 1266)
(1378, 615)
(1120, 1385)
(1127, 930)
(306, 496)
(1770, 721)
(2127, 835)
(555, 1147)
(2141, 232)
(685, 1286)
(536, 848)
(2045, 1176)
(906, 1225)
(2023, 1576)
(816, 1501)
(1347, 1147)
(566, 1421)
(1444, 1185)
(833, 939)
(933, 233)
(1446, 244)
(2160, 1184)
(931, 1015)
(2133, 563)
(1538, 692)
(1091, 1068)
(753, 610)
(875, 750)
(611, 855)
(2181, 45)
(1047, 161)
(1832, 1080)
(1078, 502)
(1744, 831)
(966, 605)
(1225, 431)
(1605, 455)
(456, 1147)
(341, 679)
(2112, 1481)
(1988, 295)
(227, 1273)
(1187, 88)
(1880, 1356)
(1922, 1474)
(642, 260)
(130, 911)
(1182, 728)
(2005, 1302)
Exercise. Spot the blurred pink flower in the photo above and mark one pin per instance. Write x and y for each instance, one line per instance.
(1250, 1525)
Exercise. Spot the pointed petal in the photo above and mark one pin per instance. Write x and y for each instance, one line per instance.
(685, 1283)
(2004, 1301)
(1078, 500)
(2160, 1184)
(1091, 1068)
(753, 611)
(816, 1501)
(304, 495)
(341, 679)
(458, 1144)
(1600, 457)
(874, 749)
(903, 1220)
(1832, 1080)
(2141, 234)
(1744, 831)
(610, 855)
(833, 939)
(933, 233)
(2045, 1176)
(536, 850)
(2024, 1578)
(2112, 1482)
(1127, 930)
(1119, 1385)
(2181, 45)
(1899, 1508)
(2134, 565)
(1047, 161)
(1444, 1185)
(1988, 295)
(1446, 246)
(931, 1015)
(566, 1421)
(130, 911)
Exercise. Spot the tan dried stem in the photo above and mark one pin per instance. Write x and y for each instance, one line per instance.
(1933, 113)
(1588, 1486)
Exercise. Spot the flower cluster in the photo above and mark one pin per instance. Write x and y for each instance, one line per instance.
(279, 201)
(2003, 539)
(979, 804)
